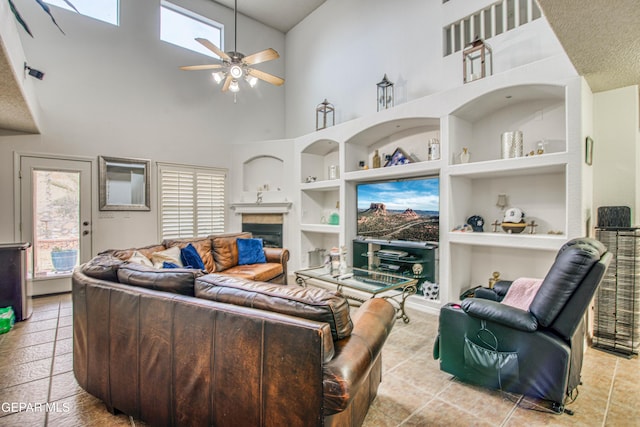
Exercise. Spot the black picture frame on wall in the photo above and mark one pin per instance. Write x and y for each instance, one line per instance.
(588, 153)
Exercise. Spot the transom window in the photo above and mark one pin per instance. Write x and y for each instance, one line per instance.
(180, 27)
(103, 10)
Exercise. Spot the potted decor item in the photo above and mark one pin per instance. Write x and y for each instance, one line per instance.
(63, 259)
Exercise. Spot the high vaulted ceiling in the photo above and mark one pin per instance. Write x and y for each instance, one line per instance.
(282, 15)
(601, 38)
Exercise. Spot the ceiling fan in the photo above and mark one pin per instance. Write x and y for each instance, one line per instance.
(235, 65)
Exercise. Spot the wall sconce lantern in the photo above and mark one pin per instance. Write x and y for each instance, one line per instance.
(385, 94)
(325, 112)
(477, 61)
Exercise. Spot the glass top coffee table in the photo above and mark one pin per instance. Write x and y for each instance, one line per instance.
(395, 289)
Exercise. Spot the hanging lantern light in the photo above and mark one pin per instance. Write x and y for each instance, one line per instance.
(385, 94)
(477, 60)
(325, 112)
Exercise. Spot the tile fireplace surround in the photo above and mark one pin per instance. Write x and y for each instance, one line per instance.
(36, 367)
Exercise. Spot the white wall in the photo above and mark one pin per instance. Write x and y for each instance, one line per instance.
(344, 48)
(615, 173)
(117, 91)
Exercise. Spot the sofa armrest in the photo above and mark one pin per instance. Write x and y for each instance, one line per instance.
(278, 255)
(499, 313)
(356, 354)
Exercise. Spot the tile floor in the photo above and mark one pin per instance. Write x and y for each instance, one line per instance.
(36, 367)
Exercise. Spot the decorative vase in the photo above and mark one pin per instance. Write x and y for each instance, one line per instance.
(376, 159)
(465, 155)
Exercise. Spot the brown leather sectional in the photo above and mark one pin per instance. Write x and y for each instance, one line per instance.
(176, 347)
(219, 254)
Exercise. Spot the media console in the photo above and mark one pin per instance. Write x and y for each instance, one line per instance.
(415, 260)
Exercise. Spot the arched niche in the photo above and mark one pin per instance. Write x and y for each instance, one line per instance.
(263, 173)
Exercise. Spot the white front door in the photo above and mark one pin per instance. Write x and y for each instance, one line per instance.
(55, 217)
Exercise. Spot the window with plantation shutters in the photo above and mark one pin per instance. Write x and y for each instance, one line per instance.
(192, 201)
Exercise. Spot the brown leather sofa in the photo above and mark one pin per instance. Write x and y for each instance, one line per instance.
(219, 254)
(176, 347)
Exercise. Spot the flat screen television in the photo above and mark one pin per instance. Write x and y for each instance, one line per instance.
(407, 209)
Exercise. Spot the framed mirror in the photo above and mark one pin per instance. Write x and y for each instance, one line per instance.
(124, 184)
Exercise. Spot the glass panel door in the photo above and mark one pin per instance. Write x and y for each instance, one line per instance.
(55, 218)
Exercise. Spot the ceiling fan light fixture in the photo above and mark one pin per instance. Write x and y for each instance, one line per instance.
(234, 87)
(235, 71)
(252, 80)
(218, 77)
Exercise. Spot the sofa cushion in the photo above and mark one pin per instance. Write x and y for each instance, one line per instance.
(125, 254)
(257, 272)
(225, 249)
(171, 255)
(309, 303)
(250, 251)
(175, 280)
(103, 267)
(202, 244)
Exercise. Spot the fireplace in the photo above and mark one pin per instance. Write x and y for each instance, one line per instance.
(268, 227)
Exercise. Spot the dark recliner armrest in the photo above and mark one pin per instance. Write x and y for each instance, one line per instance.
(499, 313)
(496, 293)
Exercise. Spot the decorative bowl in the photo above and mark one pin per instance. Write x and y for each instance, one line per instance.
(514, 227)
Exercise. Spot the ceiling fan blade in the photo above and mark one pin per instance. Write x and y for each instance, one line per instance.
(262, 56)
(213, 48)
(269, 78)
(201, 67)
(226, 84)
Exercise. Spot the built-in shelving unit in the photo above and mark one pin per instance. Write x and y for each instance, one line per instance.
(547, 186)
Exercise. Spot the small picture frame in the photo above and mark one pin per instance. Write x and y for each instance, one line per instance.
(588, 154)
(398, 157)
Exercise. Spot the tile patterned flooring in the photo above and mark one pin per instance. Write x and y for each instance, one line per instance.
(36, 368)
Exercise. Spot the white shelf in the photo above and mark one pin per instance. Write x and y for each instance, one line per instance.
(547, 242)
(320, 228)
(539, 164)
(401, 171)
(326, 185)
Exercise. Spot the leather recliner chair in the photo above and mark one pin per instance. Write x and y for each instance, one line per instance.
(537, 352)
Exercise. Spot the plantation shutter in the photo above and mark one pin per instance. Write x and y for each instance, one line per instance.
(192, 201)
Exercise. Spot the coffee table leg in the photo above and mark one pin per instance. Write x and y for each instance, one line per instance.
(399, 305)
(301, 281)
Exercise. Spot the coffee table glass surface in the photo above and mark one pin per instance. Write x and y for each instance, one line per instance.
(371, 282)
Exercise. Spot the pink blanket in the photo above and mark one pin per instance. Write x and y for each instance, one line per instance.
(521, 292)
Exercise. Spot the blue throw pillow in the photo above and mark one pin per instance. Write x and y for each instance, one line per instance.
(250, 251)
(191, 258)
(167, 264)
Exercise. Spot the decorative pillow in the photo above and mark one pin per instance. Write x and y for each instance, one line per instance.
(138, 258)
(190, 257)
(250, 251)
(203, 245)
(166, 264)
(176, 280)
(171, 255)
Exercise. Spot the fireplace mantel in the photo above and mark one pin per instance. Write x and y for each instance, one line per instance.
(261, 208)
